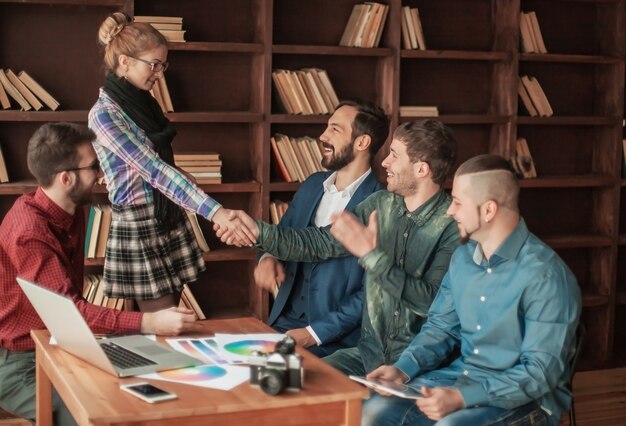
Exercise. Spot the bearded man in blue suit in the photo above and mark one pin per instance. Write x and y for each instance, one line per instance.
(320, 304)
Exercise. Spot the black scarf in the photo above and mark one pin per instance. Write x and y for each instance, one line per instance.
(145, 111)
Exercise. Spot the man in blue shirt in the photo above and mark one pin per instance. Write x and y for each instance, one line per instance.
(511, 305)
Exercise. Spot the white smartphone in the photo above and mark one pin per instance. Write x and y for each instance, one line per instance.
(397, 389)
(147, 392)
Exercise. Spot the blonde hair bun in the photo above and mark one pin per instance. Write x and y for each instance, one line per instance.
(111, 27)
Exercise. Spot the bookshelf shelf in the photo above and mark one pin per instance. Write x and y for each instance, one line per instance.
(44, 116)
(564, 58)
(221, 87)
(284, 186)
(217, 255)
(582, 181)
(215, 117)
(112, 3)
(577, 241)
(230, 254)
(591, 301)
(239, 187)
(570, 121)
(457, 54)
(205, 46)
(287, 49)
(464, 119)
(299, 119)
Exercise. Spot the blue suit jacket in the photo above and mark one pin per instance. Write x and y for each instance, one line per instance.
(335, 286)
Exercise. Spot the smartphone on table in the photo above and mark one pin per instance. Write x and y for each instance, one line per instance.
(147, 392)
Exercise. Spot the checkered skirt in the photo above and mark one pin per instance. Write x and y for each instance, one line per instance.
(144, 262)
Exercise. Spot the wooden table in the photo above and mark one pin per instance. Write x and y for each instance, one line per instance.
(94, 398)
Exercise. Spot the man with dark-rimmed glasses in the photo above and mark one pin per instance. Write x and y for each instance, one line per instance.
(42, 239)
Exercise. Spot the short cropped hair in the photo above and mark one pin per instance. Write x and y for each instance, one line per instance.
(494, 179)
(370, 120)
(432, 142)
(54, 148)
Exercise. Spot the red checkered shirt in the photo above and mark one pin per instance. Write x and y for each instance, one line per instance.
(42, 243)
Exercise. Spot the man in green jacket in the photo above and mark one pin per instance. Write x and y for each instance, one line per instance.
(404, 246)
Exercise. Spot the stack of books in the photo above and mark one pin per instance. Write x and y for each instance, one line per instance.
(93, 292)
(297, 158)
(522, 161)
(161, 93)
(170, 26)
(307, 91)
(277, 211)
(97, 232)
(365, 25)
(533, 97)
(25, 91)
(531, 39)
(205, 167)
(419, 111)
(412, 31)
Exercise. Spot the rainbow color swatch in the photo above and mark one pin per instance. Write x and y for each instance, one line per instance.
(194, 374)
(246, 347)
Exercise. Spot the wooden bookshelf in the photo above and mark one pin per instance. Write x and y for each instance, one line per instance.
(220, 83)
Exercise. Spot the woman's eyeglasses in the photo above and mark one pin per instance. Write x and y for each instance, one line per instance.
(154, 66)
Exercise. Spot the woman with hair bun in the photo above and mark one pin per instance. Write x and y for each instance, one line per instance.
(151, 251)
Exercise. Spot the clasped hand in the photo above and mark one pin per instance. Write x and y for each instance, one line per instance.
(235, 227)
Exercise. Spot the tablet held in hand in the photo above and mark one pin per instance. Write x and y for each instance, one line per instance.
(397, 389)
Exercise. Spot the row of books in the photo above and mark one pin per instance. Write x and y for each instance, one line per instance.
(161, 93)
(277, 211)
(99, 223)
(531, 40)
(419, 111)
(205, 167)
(97, 232)
(297, 158)
(25, 91)
(365, 25)
(170, 26)
(412, 31)
(533, 97)
(307, 91)
(93, 292)
(522, 161)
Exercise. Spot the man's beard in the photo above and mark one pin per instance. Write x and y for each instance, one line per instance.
(80, 195)
(340, 159)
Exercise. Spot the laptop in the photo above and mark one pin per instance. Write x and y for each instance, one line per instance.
(121, 356)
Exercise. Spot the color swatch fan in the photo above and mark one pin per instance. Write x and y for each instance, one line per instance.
(238, 347)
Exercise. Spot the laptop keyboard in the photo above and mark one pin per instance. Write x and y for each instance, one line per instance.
(123, 358)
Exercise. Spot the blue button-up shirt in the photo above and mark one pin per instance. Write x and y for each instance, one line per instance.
(514, 317)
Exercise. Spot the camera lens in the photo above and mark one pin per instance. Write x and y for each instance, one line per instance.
(273, 382)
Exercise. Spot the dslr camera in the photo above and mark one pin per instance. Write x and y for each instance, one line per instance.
(277, 371)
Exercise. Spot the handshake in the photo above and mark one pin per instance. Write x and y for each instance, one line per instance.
(235, 227)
